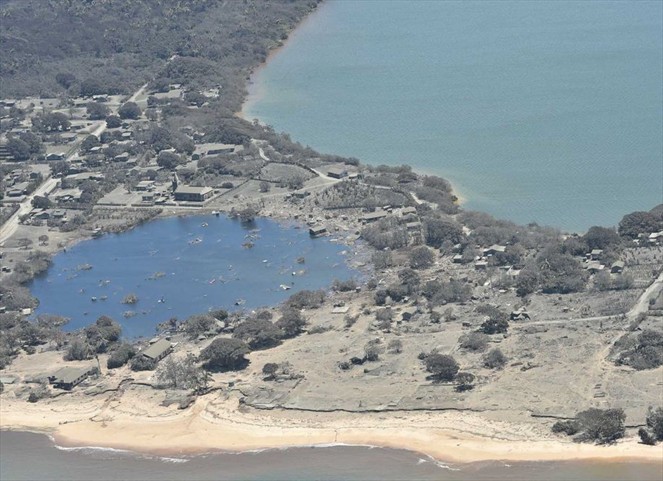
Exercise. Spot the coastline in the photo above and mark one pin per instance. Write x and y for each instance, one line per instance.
(209, 427)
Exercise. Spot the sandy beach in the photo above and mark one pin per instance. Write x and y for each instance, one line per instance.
(212, 424)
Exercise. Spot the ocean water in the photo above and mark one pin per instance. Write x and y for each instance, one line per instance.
(546, 111)
(27, 456)
(181, 266)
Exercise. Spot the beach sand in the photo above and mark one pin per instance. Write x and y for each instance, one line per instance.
(137, 423)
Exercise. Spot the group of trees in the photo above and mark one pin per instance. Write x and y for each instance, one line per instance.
(25, 146)
(641, 351)
(601, 426)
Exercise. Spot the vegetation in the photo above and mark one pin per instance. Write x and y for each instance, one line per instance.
(181, 373)
(258, 333)
(601, 426)
(120, 356)
(644, 351)
(494, 359)
(442, 367)
(225, 355)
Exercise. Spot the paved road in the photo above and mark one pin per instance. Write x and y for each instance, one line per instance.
(10, 226)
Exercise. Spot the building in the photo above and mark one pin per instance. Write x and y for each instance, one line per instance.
(55, 156)
(317, 231)
(374, 216)
(494, 249)
(69, 377)
(158, 350)
(617, 267)
(145, 185)
(337, 172)
(187, 193)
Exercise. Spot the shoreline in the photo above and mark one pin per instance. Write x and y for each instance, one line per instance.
(206, 428)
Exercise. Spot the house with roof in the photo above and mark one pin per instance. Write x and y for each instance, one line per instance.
(158, 350)
(188, 193)
(69, 377)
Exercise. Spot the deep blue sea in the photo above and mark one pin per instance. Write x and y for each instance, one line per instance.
(181, 266)
(546, 111)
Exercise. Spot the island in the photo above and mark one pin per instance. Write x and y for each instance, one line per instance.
(462, 336)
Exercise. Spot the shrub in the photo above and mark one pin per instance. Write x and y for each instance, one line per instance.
(474, 341)
(494, 326)
(464, 381)
(441, 366)
(645, 437)
(198, 325)
(569, 428)
(494, 359)
(373, 349)
(306, 299)
(395, 346)
(602, 426)
(344, 286)
(291, 322)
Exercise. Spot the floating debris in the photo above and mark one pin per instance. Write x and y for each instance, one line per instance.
(156, 275)
(240, 302)
(93, 299)
(285, 287)
(195, 241)
(128, 314)
(204, 224)
(84, 267)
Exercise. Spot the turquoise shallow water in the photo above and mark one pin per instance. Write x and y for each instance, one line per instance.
(200, 263)
(537, 111)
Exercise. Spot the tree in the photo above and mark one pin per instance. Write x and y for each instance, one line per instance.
(265, 186)
(89, 143)
(34, 142)
(59, 168)
(494, 359)
(43, 239)
(636, 223)
(437, 231)
(198, 325)
(41, 202)
(78, 350)
(18, 149)
(655, 422)
(291, 322)
(270, 369)
(421, 258)
(225, 354)
(97, 110)
(113, 122)
(129, 110)
(258, 333)
(441, 366)
(602, 426)
(168, 160)
(65, 79)
(182, 373)
(601, 238)
(92, 86)
(120, 356)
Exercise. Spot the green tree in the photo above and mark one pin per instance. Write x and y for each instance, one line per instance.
(113, 122)
(258, 333)
(89, 143)
(18, 149)
(225, 354)
(437, 231)
(168, 160)
(441, 366)
(636, 223)
(120, 356)
(494, 359)
(41, 202)
(129, 110)
(421, 258)
(291, 322)
(97, 110)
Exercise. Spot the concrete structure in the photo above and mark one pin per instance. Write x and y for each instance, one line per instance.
(188, 193)
(158, 350)
(617, 267)
(337, 172)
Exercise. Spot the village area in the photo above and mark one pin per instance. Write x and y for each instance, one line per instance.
(557, 318)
